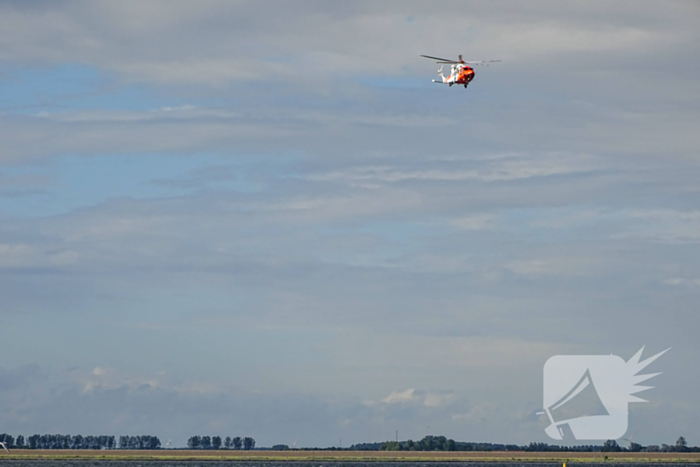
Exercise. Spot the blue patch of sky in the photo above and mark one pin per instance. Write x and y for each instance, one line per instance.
(183, 314)
(60, 88)
(393, 82)
(64, 87)
(74, 182)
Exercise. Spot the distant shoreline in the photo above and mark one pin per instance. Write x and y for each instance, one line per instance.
(355, 456)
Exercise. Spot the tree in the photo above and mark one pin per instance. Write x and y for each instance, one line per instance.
(248, 443)
(216, 442)
(152, 442)
(194, 442)
(20, 442)
(33, 441)
(611, 446)
(227, 442)
(237, 442)
(681, 444)
(440, 442)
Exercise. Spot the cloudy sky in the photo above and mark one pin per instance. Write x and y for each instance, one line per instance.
(262, 218)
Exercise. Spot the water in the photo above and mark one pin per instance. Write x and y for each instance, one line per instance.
(238, 463)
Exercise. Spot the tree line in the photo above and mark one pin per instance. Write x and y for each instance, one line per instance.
(216, 442)
(80, 442)
(139, 442)
(441, 443)
(612, 446)
(680, 446)
(434, 443)
(428, 443)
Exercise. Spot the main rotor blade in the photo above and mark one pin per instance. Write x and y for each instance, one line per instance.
(478, 62)
(444, 60)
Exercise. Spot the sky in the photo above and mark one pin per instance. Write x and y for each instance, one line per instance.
(262, 218)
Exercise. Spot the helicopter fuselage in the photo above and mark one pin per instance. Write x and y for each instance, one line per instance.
(459, 74)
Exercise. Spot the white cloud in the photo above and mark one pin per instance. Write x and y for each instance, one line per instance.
(23, 256)
(565, 266)
(438, 400)
(496, 170)
(401, 397)
(665, 225)
(679, 281)
(474, 222)
(479, 414)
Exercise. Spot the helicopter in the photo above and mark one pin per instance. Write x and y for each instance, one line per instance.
(460, 71)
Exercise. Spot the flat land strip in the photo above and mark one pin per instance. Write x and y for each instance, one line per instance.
(357, 456)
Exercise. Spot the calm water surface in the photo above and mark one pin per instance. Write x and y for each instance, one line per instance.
(235, 463)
